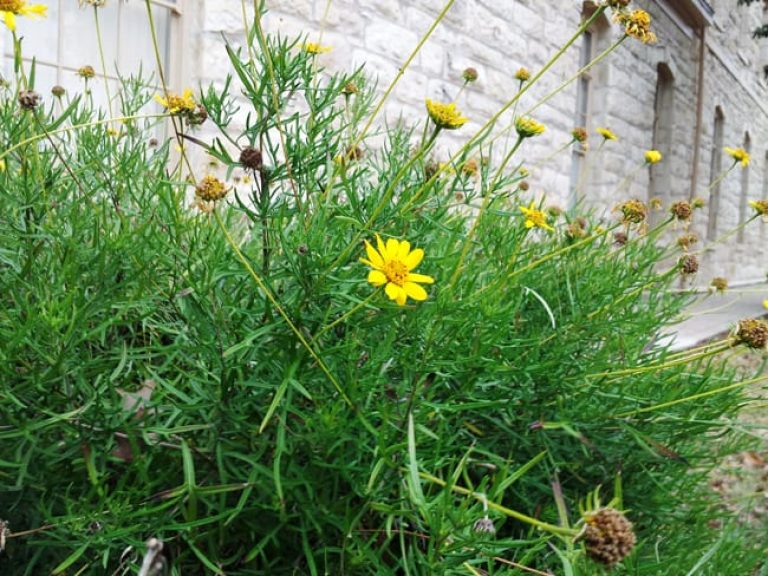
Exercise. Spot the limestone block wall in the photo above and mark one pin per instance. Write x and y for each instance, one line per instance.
(497, 37)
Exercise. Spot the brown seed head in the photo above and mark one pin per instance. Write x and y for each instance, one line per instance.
(469, 75)
(350, 88)
(609, 537)
(251, 158)
(579, 134)
(681, 210)
(753, 333)
(687, 240)
(689, 265)
(633, 211)
(211, 189)
(29, 99)
(720, 284)
(58, 91)
(620, 238)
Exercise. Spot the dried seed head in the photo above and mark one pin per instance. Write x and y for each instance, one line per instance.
(620, 238)
(153, 142)
(633, 211)
(681, 210)
(470, 167)
(303, 249)
(29, 99)
(609, 537)
(251, 158)
(575, 231)
(524, 186)
(469, 75)
(484, 526)
(86, 72)
(753, 333)
(350, 88)
(579, 134)
(720, 284)
(58, 91)
(211, 189)
(197, 116)
(689, 265)
(687, 240)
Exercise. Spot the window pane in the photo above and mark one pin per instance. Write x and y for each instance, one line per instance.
(80, 45)
(40, 36)
(136, 49)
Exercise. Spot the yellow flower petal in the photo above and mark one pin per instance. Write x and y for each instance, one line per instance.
(376, 261)
(423, 278)
(414, 258)
(393, 246)
(377, 277)
(381, 246)
(405, 248)
(415, 291)
(393, 291)
(10, 20)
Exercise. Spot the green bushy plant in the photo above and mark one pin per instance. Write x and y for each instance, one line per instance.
(220, 376)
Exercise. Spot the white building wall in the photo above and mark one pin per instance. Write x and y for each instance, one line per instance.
(497, 37)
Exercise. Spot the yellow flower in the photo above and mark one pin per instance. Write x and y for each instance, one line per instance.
(738, 155)
(637, 24)
(535, 218)
(315, 48)
(523, 75)
(176, 104)
(9, 9)
(528, 127)
(445, 115)
(653, 156)
(761, 207)
(391, 267)
(765, 304)
(606, 134)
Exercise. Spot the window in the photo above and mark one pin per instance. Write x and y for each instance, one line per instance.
(582, 116)
(716, 167)
(663, 128)
(66, 40)
(744, 195)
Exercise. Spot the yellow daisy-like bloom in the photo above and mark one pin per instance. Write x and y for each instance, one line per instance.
(739, 155)
(9, 9)
(391, 267)
(523, 74)
(765, 304)
(528, 127)
(315, 48)
(761, 207)
(653, 156)
(535, 218)
(606, 134)
(445, 115)
(176, 104)
(637, 24)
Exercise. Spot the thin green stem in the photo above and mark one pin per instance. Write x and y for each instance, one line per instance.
(551, 528)
(692, 397)
(343, 318)
(101, 57)
(401, 72)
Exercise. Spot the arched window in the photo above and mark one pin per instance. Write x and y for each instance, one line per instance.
(588, 97)
(744, 195)
(663, 128)
(716, 167)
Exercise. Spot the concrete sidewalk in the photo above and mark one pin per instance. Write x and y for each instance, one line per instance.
(713, 314)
